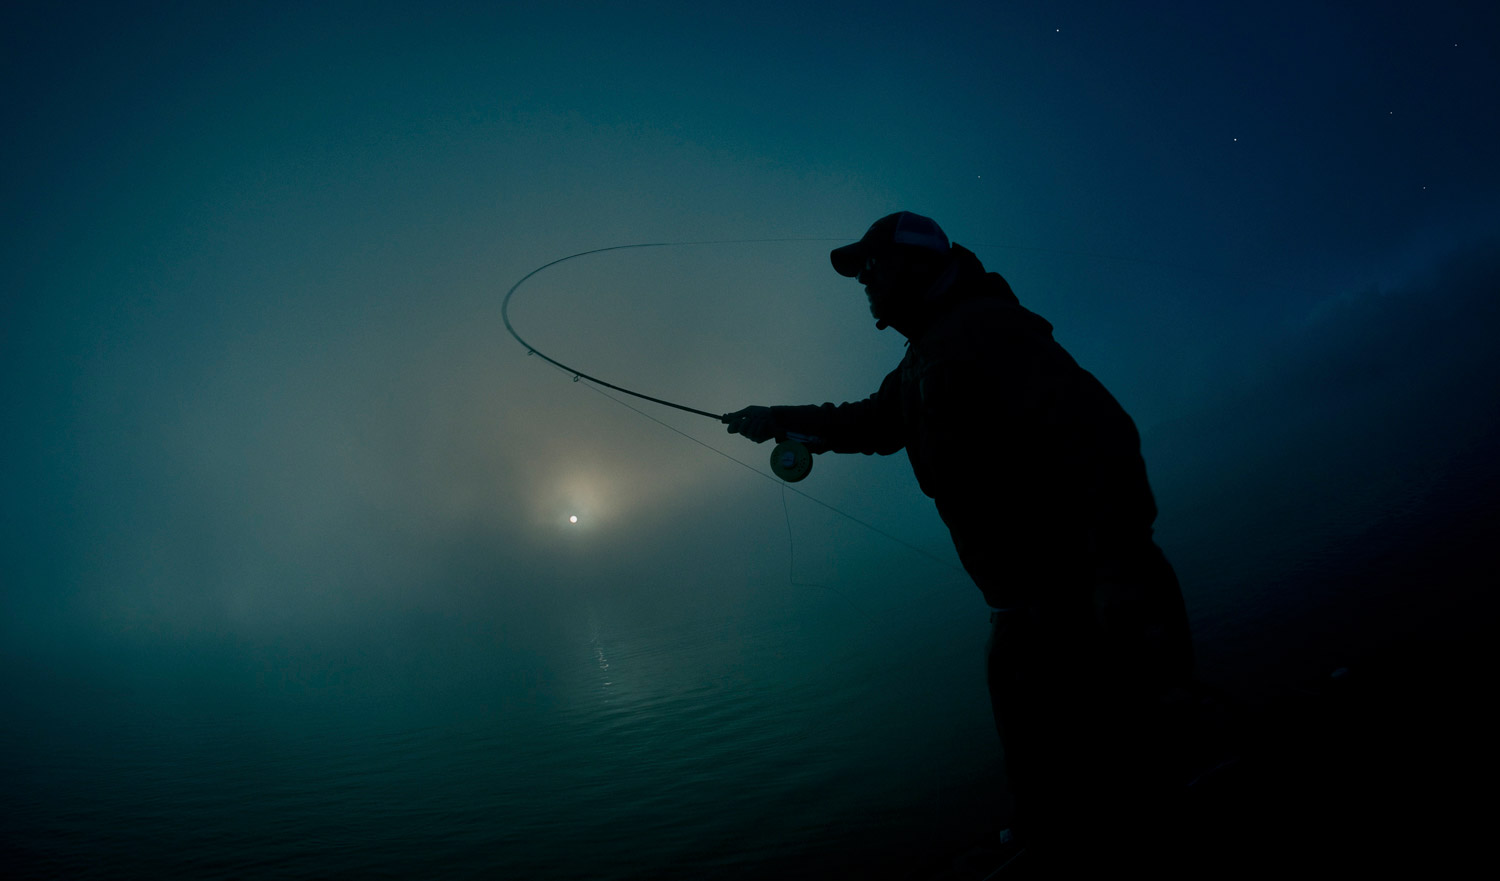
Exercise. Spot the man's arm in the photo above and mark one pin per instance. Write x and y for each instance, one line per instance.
(872, 425)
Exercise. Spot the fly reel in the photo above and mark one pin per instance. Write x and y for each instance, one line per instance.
(791, 461)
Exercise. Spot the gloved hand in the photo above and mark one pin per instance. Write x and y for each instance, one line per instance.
(756, 423)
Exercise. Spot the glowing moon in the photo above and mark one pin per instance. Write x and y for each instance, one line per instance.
(573, 519)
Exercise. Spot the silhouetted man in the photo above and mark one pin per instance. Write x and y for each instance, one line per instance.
(1037, 472)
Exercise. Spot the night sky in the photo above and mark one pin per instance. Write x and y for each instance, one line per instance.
(257, 391)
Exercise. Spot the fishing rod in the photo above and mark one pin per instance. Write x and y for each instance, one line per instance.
(791, 460)
(578, 374)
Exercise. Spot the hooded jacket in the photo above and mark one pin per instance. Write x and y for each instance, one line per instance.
(1033, 465)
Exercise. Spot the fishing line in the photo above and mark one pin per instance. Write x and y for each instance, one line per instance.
(791, 562)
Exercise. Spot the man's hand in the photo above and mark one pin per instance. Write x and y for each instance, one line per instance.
(756, 423)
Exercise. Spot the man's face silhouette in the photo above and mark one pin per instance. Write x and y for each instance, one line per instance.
(892, 284)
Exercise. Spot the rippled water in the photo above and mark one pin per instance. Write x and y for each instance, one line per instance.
(683, 748)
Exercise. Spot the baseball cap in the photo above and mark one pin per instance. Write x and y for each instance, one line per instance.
(901, 228)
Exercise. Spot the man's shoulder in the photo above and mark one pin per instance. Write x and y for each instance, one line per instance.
(987, 320)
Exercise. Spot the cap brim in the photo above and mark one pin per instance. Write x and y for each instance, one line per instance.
(848, 260)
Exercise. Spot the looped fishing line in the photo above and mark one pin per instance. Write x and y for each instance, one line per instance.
(791, 562)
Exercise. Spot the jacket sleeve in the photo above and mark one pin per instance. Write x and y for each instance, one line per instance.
(871, 426)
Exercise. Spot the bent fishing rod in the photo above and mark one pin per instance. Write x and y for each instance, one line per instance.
(790, 459)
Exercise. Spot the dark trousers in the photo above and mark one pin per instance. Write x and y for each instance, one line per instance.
(1080, 681)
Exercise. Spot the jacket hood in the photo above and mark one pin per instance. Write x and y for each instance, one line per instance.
(966, 277)
(966, 286)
